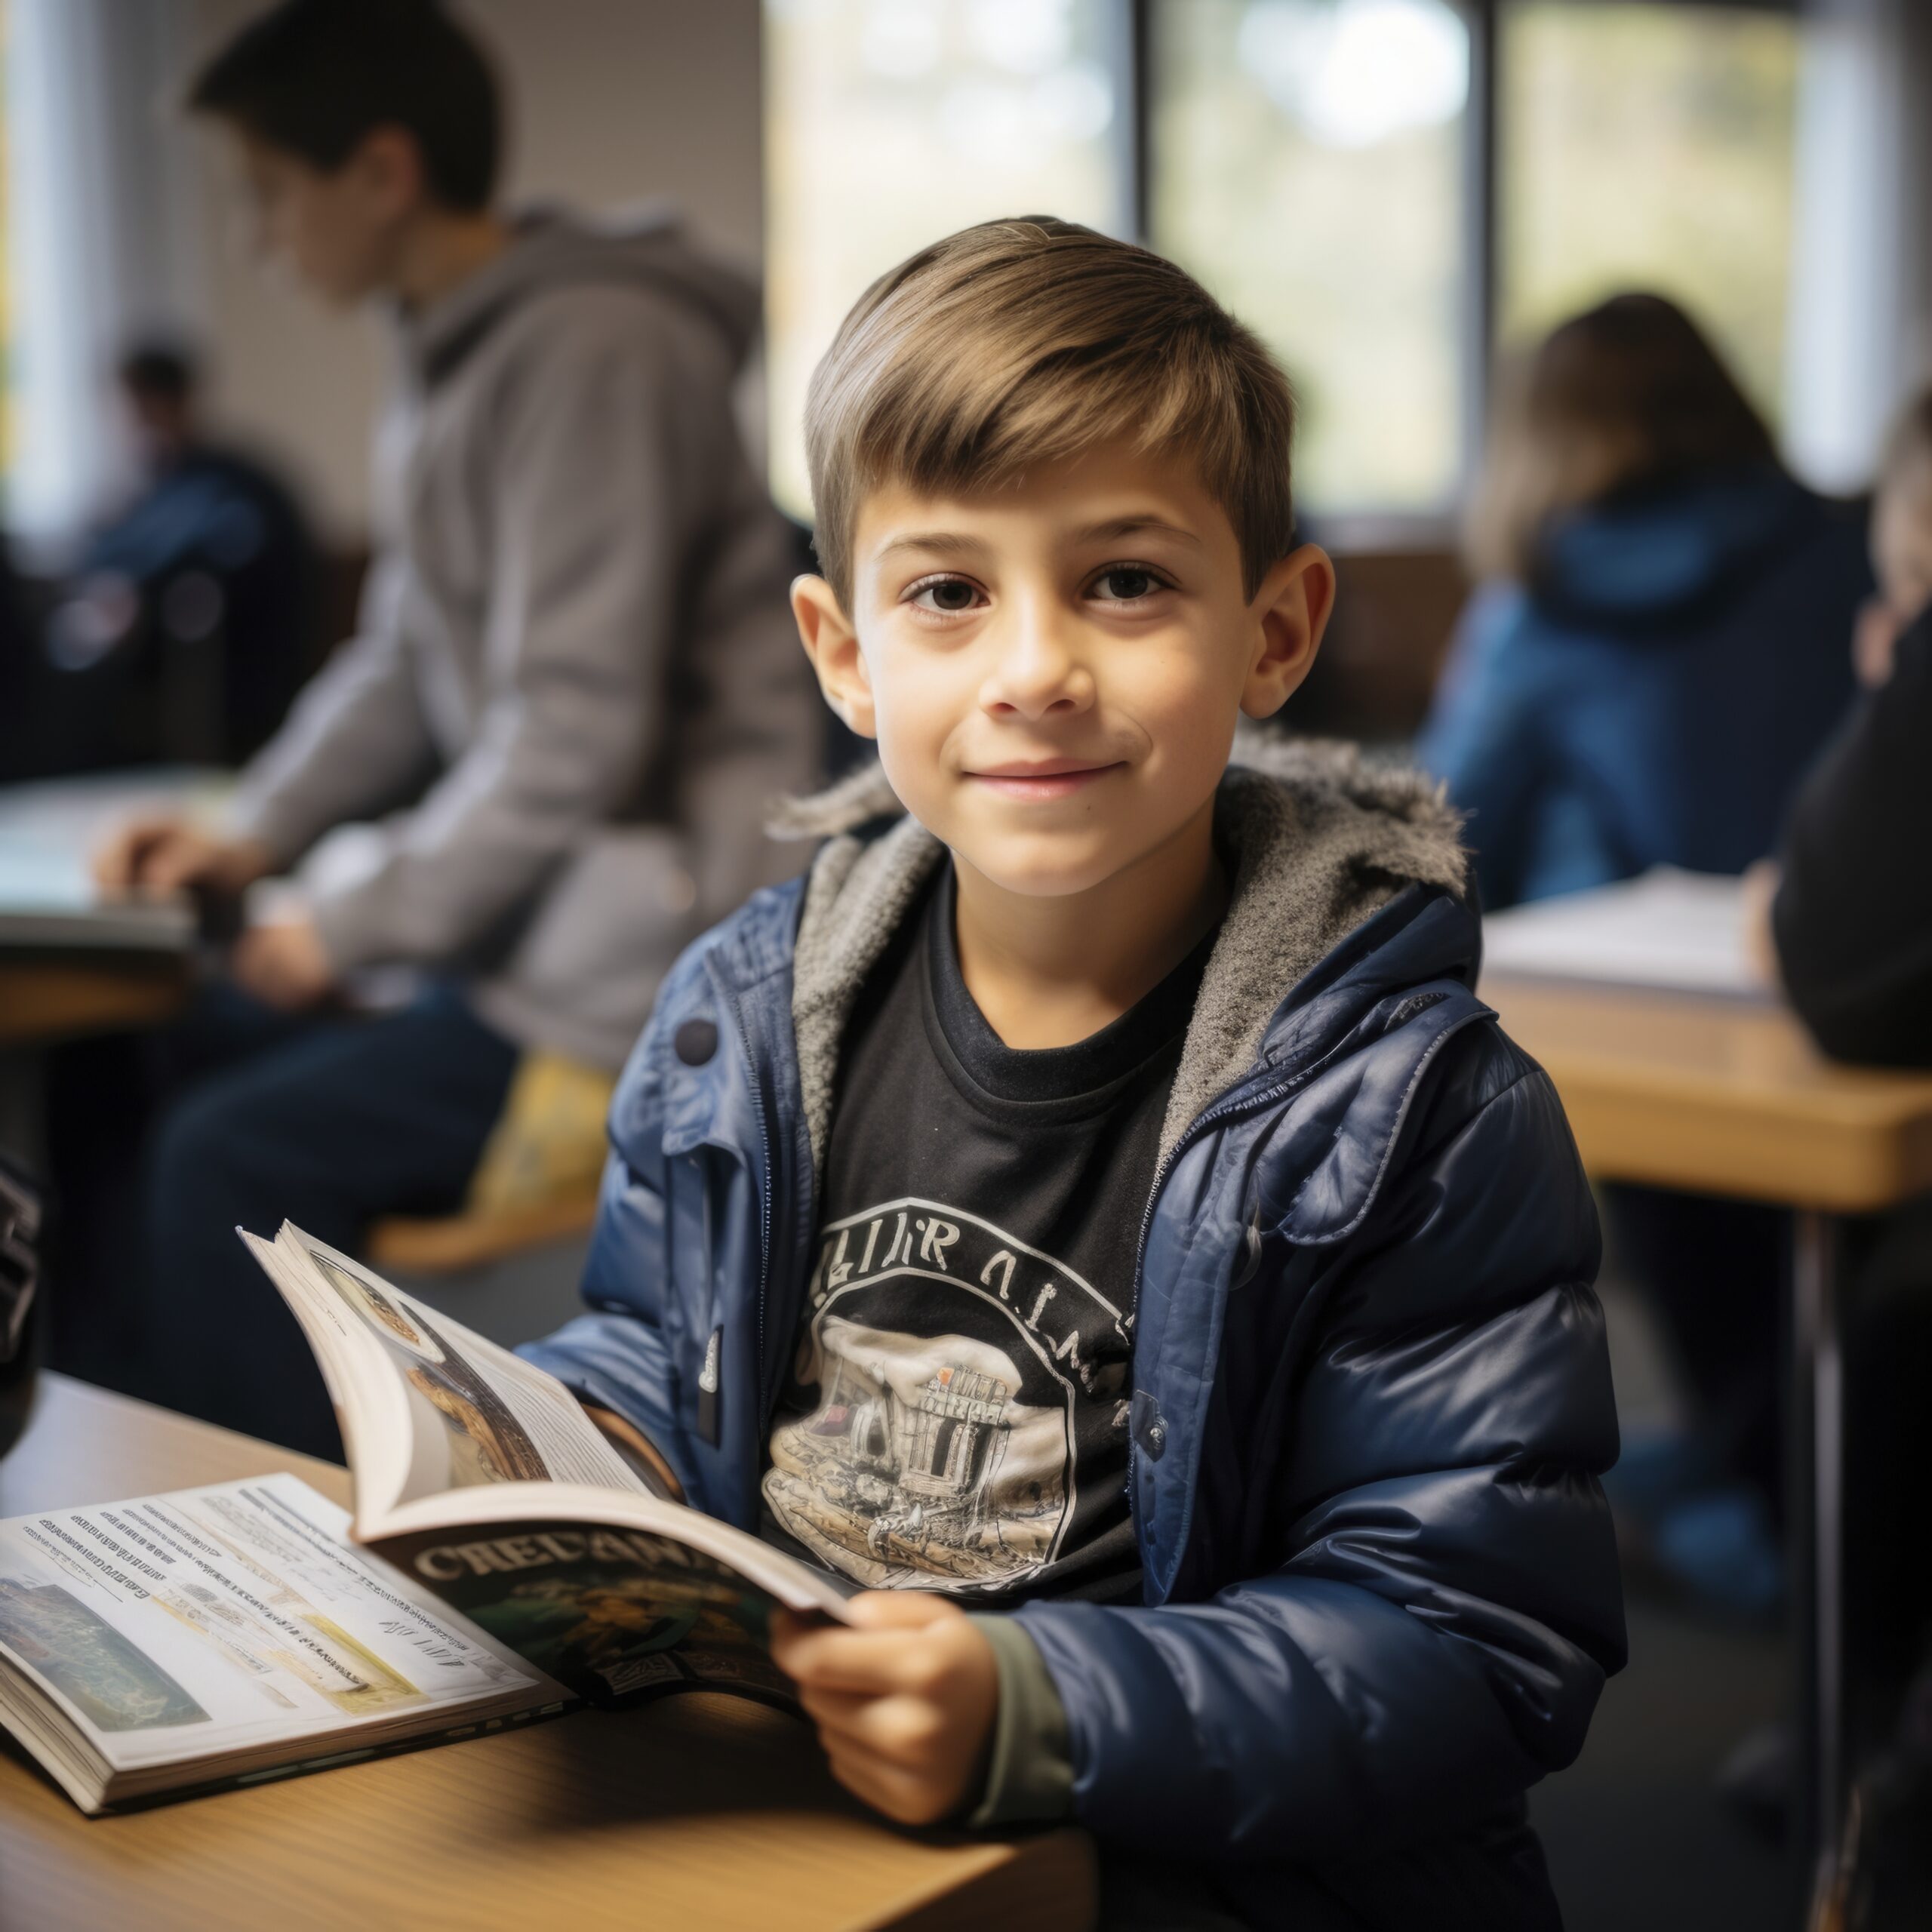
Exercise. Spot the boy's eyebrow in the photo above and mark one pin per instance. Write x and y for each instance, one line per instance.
(1128, 526)
(949, 542)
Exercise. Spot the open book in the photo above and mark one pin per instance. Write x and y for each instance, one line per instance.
(502, 1562)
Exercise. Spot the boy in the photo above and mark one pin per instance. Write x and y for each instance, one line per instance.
(1101, 1192)
(575, 674)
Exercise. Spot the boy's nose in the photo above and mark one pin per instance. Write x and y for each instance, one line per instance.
(1037, 673)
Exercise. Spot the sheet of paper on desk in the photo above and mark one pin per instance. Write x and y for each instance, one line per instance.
(1673, 931)
(47, 834)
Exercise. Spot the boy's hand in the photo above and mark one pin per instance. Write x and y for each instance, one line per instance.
(284, 964)
(904, 1703)
(1874, 642)
(162, 855)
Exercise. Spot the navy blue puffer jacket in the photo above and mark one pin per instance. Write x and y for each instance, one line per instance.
(1371, 1396)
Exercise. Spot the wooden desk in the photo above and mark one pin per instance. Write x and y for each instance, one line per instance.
(701, 1811)
(46, 830)
(1721, 1097)
(45, 1001)
(1716, 1097)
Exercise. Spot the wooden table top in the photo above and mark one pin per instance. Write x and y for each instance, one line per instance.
(701, 1810)
(1721, 1096)
(42, 1001)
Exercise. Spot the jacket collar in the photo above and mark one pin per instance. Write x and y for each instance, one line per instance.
(1321, 839)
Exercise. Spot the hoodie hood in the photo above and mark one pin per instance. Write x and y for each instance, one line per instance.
(1321, 840)
(1660, 559)
(550, 249)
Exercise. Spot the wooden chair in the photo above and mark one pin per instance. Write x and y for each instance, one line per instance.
(536, 1183)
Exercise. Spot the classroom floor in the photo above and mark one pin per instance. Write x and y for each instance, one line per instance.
(1636, 1833)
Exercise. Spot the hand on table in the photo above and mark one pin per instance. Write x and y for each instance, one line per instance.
(161, 855)
(283, 964)
(904, 1703)
(1757, 888)
(1875, 639)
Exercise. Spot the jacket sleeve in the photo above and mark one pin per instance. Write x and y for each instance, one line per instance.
(1853, 918)
(1481, 739)
(596, 487)
(354, 743)
(1445, 1606)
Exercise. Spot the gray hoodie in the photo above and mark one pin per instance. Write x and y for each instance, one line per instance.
(576, 682)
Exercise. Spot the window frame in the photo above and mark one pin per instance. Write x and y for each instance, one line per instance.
(1480, 295)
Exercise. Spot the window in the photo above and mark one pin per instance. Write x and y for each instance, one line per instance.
(1307, 166)
(1698, 105)
(890, 123)
(1377, 185)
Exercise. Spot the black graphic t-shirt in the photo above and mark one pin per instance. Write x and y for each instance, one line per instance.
(956, 1416)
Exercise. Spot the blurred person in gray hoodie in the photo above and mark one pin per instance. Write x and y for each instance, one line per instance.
(572, 692)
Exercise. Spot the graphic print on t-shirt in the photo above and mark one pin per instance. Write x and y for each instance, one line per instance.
(944, 1458)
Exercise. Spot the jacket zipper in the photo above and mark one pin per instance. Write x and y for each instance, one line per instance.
(1192, 1132)
(770, 1178)
(1223, 1110)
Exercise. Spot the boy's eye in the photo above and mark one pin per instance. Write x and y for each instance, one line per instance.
(948, 595)
(1125, 583)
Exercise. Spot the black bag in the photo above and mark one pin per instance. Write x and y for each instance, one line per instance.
(19, 1232)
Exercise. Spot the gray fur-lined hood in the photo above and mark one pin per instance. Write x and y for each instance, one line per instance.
(1321, 839)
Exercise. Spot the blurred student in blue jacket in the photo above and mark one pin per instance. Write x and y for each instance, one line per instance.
(1656, 648)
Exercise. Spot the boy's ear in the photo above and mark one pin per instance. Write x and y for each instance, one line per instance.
(1292, 608)
(832, 645)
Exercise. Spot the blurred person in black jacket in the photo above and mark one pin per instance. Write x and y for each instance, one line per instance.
(1852, 926)
(187, 626)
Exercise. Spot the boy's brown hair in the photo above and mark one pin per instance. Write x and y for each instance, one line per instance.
(1026, 341)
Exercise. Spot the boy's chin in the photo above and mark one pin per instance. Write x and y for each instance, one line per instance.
(1039, 873)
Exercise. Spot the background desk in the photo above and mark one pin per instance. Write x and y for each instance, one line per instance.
(701, 1811)
(1718, 1096)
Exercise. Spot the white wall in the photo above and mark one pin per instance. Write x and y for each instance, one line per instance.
(613, 101)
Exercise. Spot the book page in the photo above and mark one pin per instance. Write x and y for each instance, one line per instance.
(428, 1406)
(235, 1618)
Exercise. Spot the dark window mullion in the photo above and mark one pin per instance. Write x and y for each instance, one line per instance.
(1133, 36)
(1481, 227)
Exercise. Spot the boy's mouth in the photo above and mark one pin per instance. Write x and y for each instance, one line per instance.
(1042, 778)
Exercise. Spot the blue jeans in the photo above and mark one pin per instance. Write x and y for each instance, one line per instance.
(330, 1122)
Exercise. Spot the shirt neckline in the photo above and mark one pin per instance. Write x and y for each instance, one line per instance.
(1091, 1070)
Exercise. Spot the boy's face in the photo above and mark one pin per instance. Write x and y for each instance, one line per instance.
(339, 230)
(1053, 670)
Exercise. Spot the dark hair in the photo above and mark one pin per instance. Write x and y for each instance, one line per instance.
(167, 370)
(1628, 395)
(317, 77)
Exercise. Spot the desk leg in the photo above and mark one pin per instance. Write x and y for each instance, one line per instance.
(1818, 1560)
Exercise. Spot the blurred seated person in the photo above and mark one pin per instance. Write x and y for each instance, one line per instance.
(1852, 925)
(1852, 920)
(1655, 647)
(188, 627)
(574, 692)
